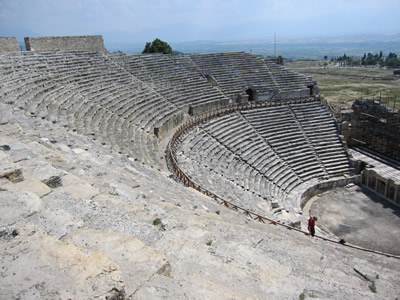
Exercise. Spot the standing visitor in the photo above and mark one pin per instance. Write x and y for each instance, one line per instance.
(311, 225)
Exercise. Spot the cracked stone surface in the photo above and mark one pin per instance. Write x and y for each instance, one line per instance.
(138, 262)
(38, 266)
(17, 206)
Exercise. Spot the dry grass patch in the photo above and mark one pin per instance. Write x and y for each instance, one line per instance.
(342, 86)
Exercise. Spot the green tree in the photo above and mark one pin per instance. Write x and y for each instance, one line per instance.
(371, 59)
(392, 60)
(157, 46)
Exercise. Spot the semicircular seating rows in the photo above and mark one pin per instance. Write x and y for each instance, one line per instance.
(118, 100)
(271, 154)
(91, 94)
(175, 77)
(236, 71)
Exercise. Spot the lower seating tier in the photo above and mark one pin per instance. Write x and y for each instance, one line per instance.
(267, 152)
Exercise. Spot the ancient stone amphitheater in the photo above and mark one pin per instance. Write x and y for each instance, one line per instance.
(157, 176)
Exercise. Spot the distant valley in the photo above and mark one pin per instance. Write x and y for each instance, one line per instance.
(306, 48)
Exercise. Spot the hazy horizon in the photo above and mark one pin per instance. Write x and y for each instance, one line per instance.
(201, 20)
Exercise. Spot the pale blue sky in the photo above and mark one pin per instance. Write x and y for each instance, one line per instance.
(187, 20)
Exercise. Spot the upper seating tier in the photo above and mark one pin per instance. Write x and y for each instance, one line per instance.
(242, 75)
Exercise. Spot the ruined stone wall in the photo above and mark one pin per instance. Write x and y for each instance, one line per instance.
(386, 187)
(374, 126)
(8, 44)
(65, 43)
(373, 139)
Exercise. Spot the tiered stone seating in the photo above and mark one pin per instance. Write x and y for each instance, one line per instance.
(174, 77)
(231, 71)
(280, 129)
(90, 94)
(212, 166)
(321, 131)
(119, 100)
(287, 80)
(237, 71)
(312, 151)
(232, 150)
(272, 153)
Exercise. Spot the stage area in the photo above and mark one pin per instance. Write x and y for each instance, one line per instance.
(359, 217)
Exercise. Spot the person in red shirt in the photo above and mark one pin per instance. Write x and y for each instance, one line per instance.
(311, 225)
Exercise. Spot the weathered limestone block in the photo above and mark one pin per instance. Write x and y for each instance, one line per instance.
(60, 161)
(8, 44)
(65, 43)
(37, 266)
(56, 222)
(113, 213)
(3, 157)
(40, 169)
(21, 154)
(162, 287)
(137, 261)
(5, 141)
(224, 262)
(78, 150)
(77, 187)
(30, 185)
(18, 206)
(82, 209)
(42, 149)
(5, 114)
(290, 219)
